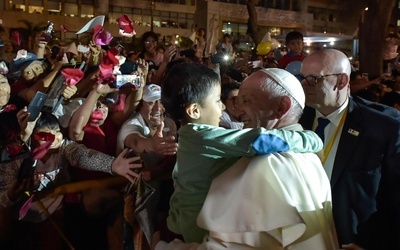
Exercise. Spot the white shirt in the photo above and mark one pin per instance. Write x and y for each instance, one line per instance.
(136, 125)
(329, 132)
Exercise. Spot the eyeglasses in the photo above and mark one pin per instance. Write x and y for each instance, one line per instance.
(149, 42)
(313, 80)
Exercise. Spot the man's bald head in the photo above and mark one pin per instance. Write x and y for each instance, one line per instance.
(332, 60)
(327, 79)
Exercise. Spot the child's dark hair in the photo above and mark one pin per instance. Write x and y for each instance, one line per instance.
(47, 120)
(293, 35)
(184, 84)
(227, 88)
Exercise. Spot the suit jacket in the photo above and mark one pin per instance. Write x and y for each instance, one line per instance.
(366, 178)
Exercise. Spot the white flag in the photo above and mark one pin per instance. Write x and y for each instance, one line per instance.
(99, 20)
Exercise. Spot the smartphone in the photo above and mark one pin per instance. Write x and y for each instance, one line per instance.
(256, 64)
(127, 81)
(36, 105)
(83, 49)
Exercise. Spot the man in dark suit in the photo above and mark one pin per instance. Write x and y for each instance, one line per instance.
(361, 154)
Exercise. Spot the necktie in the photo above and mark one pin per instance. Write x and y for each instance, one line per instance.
(322, 123)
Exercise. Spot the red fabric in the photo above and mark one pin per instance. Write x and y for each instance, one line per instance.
(13, 149)
(100, 36)
(110, 58)
(16, 87)
(16, 38)
(41, 151)
(9, 107)
(119, 105)
(96, 140)
(93, 129)
(105, 74)
(286, 59)
(64, 28)
(96, 31)
(96, 116)
(125, 24)
(72, 76)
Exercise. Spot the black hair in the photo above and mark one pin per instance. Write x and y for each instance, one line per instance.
(293, 35)
(227, 88)
(186, 83)
(47, 120)
(235, 74)
(149, 34)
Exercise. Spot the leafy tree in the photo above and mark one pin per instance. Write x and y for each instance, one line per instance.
(372, 34)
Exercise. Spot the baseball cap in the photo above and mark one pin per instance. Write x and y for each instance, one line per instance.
(289, 82)
(23, 60)
(151, 93)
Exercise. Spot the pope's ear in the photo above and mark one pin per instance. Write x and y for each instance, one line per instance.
(283, 107)
(192, 110)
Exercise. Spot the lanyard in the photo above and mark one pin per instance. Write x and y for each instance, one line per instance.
(332, 140)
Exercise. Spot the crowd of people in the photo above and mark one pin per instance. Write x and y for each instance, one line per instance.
(171, 148)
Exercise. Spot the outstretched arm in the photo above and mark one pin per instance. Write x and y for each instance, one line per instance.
(220, 143)
(134, 97)
(81, 117)
(157, 144)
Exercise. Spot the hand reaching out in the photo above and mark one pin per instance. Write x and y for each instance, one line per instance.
(143, 70)
(126, 166)
(104, 89)
(164, 145)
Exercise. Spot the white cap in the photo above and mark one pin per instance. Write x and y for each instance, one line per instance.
(151, 93)
(289, 82)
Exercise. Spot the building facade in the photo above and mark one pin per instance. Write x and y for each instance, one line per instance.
(323, 22)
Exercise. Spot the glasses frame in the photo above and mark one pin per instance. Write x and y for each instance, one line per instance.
(317, 79)
(150, 42)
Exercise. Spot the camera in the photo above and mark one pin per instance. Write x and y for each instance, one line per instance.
(128, 81)
(220, 58)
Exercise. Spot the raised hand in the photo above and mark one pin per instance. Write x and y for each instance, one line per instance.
(126, 166)
(25, 125)
(69, 91)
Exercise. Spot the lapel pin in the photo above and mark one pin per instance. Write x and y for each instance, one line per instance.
(353, 132)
